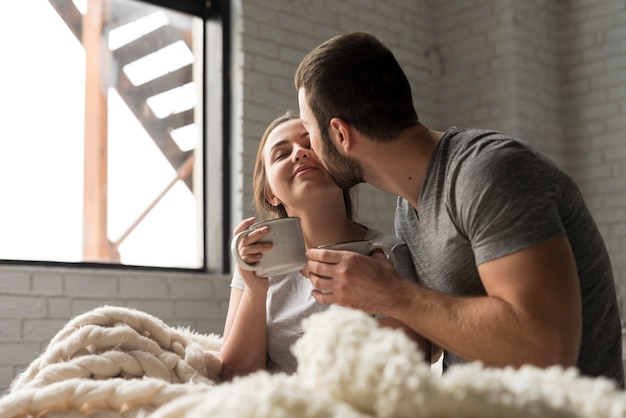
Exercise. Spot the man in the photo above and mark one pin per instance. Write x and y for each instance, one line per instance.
(511, 266)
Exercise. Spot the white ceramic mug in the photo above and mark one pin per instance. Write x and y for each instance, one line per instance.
(364, 247)
(287, 253)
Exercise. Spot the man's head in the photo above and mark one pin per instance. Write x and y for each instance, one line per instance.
(345, 170)
(356, 78)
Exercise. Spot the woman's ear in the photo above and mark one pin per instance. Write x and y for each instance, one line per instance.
(341, 133)
(271, 198)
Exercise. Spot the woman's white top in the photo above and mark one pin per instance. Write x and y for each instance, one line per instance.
(289, 300)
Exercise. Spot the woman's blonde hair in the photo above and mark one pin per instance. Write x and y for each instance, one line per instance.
(264, 208)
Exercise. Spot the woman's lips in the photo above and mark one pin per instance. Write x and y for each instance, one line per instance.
(304, 169)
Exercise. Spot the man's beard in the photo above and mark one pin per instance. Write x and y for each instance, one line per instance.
(345, 171)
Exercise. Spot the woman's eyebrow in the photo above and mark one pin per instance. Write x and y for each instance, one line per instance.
(279, 144)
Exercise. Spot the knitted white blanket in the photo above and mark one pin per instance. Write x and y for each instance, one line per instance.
(116, 362)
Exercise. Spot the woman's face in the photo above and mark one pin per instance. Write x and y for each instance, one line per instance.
(294, 173)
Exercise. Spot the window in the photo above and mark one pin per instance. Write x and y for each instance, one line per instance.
(104, 153)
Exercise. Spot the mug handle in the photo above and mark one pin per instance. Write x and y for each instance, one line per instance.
(388, 253)
(234, 249)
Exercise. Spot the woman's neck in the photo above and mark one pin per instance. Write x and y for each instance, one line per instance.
(326, 228)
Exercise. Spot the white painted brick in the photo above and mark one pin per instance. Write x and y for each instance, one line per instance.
(614, 185)
(604, 8)
(14, 282)
(595, 172)
(10, 329)
(619, 229)
(80, 306)
(576, 71)
(48, 283)
(291, 55)
(261, 47)
(615, 62)
(616, 33)
(143, 287)
(42, 330)
(580, 160)
(610, 215)
(100, 286)
(600, 111)
(613, 245)
(293, 23)
(196, 309)
(215, 310)
(597, 25)
(60, 307)
(262, 13)
(608, 79)
(575, 88)
(221, 287)
(209, 326)
(455, 8)
(610, 141)
(22, 307)
(191, 288)
(616, 153)
(617, 94)
(18, 353)
(615, 201)
(6, 377)
(592, 98)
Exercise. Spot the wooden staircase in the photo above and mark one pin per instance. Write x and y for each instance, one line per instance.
(106, 67)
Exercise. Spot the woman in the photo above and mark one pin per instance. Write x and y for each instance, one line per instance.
(264, 314)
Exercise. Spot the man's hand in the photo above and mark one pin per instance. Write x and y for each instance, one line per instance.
(352, 280)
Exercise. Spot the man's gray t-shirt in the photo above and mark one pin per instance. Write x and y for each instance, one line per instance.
(487, 195)
(289, 300)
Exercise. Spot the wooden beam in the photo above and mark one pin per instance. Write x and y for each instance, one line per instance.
(96, 245)
(184, 172)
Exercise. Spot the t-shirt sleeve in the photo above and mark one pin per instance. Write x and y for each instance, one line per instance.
(404, 264)
(506, 199)
(237, 281)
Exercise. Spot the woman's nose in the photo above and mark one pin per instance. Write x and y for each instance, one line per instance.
(302, 153)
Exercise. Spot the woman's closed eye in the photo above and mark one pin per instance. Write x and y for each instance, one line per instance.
(279, 156)
(280, 153)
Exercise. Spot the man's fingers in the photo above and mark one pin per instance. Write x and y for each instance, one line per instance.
(324, 298)
(324, 256)
(323, 271)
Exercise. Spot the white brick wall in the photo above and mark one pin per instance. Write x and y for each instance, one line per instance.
(593, 68)
(552, 72)
(277, 35)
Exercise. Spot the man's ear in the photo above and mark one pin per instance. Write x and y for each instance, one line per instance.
(341, 133)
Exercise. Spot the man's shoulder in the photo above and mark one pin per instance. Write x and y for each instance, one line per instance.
(477, 141)
(471, 154)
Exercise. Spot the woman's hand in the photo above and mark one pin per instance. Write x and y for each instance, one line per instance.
(251, 251)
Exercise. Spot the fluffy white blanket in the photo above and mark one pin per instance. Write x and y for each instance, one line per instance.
(116, 362)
